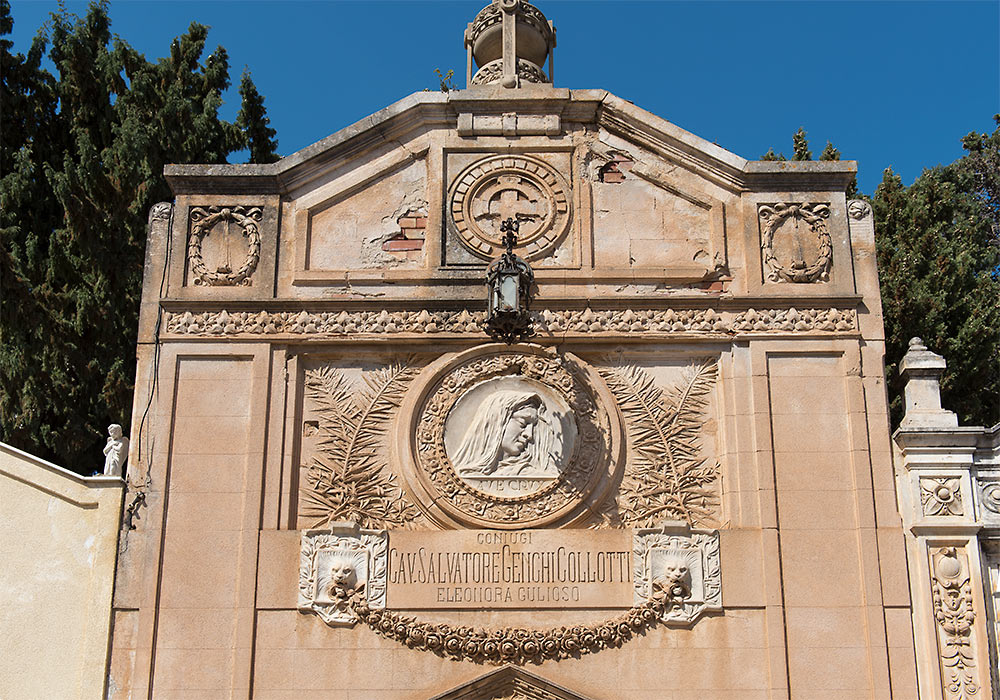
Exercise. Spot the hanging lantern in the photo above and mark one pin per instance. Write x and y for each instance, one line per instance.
(508, 281)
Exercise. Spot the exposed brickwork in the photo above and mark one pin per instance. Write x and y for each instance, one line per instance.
(614, 172)
(412, 226)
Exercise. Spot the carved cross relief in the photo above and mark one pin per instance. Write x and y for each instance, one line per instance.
(510, 197)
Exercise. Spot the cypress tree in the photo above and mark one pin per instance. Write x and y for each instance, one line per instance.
(938, 248)
(800, 146)
(771, 155)
(83, 155)
(252, 118)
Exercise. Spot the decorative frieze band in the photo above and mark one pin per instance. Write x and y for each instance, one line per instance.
(547, 322)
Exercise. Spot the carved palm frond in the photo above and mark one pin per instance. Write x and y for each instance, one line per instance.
(348, 478)
(666, 477)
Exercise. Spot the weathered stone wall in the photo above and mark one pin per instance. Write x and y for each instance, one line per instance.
(57, 543)
(309, 333)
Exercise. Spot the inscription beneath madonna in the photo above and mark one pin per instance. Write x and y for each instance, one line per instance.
(510, 569)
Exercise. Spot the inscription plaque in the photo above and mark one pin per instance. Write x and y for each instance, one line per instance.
(487, 569)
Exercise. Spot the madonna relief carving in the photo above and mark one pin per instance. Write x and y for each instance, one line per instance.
(508, 437)
(509, 430)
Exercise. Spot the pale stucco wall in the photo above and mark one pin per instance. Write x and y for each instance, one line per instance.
(58, 537)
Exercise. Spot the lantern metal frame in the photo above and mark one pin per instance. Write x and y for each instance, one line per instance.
(509, 319)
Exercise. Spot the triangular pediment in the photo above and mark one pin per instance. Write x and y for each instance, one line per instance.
(510, 683)
(534, 111)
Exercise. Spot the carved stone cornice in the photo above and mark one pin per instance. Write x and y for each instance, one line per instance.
(548, 322)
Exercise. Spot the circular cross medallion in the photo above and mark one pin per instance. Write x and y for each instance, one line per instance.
(509, 438)
(497, 188)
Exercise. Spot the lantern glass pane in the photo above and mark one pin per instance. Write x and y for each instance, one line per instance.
(508, 292)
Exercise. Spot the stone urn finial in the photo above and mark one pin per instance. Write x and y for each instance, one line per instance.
(921, 371)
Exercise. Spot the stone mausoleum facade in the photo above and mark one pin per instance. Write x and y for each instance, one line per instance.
(680, 485)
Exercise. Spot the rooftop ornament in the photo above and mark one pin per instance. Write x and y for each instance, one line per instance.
(509, 280)
(509, 41)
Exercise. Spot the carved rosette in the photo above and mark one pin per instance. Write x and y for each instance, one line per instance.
(522, 187)
(161, 211)
(784, 251)
(989, 490)
(954, 614)
(681, 564)
(941, 496)
(462, 480)
(858, 209)
(203, 221)
(339, 565)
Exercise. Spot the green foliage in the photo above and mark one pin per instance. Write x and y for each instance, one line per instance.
(938, 247)
(829, 153)
(800, 146)
(81, 160)
(445, 80)
(771, 155)
(255, 124)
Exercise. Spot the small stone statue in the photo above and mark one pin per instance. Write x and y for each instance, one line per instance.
(115, 451)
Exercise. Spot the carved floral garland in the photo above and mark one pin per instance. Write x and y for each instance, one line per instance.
(525, 12)
(492, 72)
(515, 645)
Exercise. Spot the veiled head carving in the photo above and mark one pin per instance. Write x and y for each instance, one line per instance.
(506, 430)
(508, 437)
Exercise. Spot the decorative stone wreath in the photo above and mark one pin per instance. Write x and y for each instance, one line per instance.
(815, 215)
(204, 219)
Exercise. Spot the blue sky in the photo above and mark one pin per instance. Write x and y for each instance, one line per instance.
(889, 83)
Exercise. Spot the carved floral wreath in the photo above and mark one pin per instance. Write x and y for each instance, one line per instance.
(204, 220)
(588, 455)
(815, 215)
